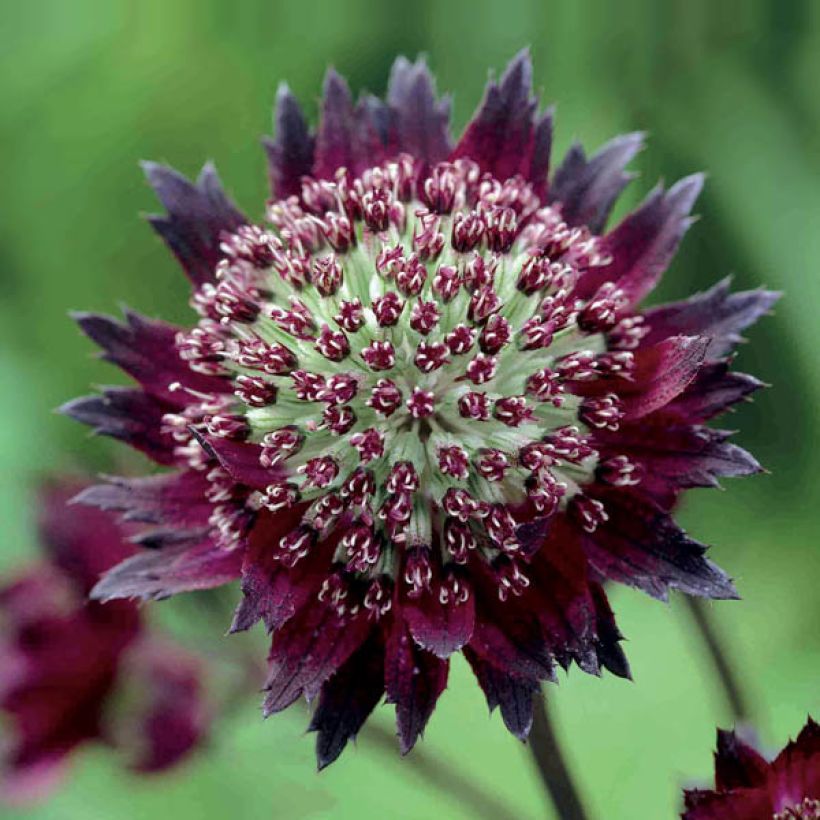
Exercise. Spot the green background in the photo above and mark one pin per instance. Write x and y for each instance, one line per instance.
(89, 87)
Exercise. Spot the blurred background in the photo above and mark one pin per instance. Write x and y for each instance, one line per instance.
(90, 87)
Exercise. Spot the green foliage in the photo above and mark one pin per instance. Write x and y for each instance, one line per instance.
(90, 87)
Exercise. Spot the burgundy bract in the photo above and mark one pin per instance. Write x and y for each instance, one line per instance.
(422, 410)
(748, 787)
(75, 671)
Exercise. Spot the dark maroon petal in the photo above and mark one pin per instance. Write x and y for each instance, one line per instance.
(82, 542)
(128, 415)
(795, 772)
(643, 245)
(510, 636)
(347, 699)
(241, 460)
(587, 188)
(608, 637)
(737, 765)
(662, 372)
(716, 313)
(145, 349)
(713, 391)
(440, 628)
(272, 592)
(158, 574)
(560, 596)
(511, 694)
(347, 137)
(413, 679)
(307, 650)
(500, 136)
(420, 121)
(290, 154)
(176, 499)
(675, 458)
(641, 546)
(741, 804)
(170, 716)
(538, 176)
(198, 213)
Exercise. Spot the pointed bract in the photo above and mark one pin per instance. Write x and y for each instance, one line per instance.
(198, 213)
(586, 189)
(420, 121)
(501, 135)
(290, 153)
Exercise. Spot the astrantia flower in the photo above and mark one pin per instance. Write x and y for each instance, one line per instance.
(422, 411)
(76, 671)
(748, 787)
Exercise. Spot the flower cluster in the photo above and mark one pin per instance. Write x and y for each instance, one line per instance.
(422, 411)
(749, 787)
(76, 671)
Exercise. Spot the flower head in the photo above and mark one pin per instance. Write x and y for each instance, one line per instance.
(750, 787)
(67, 662)
(422, 410)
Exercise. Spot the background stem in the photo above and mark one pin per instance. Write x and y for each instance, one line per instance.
(551, 766)
(479, 801)
(721, 661)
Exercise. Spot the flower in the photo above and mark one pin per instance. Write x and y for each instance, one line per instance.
(68, 663)
(748, 787)
(422, 410)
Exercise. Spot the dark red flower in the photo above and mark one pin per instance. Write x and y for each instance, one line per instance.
(67, 662)
(422, 410)
(748, 787)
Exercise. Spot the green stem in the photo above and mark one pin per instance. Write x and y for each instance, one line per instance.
(552, 768)
(720, 658)
(477, 801)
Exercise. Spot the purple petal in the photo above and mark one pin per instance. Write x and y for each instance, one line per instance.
(128, 415)
(272, 592)
(643, 245)
(538, 175)
(515, 643)
(290, 154)
(717, 313)
(346, 701)
(146, 350)
(610, 654)
(158, 574)
(662, 373)
(198, 213)
(587, 188)
(641, 546)
(307, 650)
(240, 460)
(714, 389)
(347, 138)
(439, 628)
(414, 680)
(419, 120)
(177, 499)
(676, 458)
(513, 695)
(737, 765)
(500, 136)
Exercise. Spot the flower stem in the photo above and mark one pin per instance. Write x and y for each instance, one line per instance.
(729, 680)
(480, 801)
(552, 768)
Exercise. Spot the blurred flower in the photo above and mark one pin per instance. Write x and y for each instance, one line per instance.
(68, 663)
(422, 411)
(748, 787)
